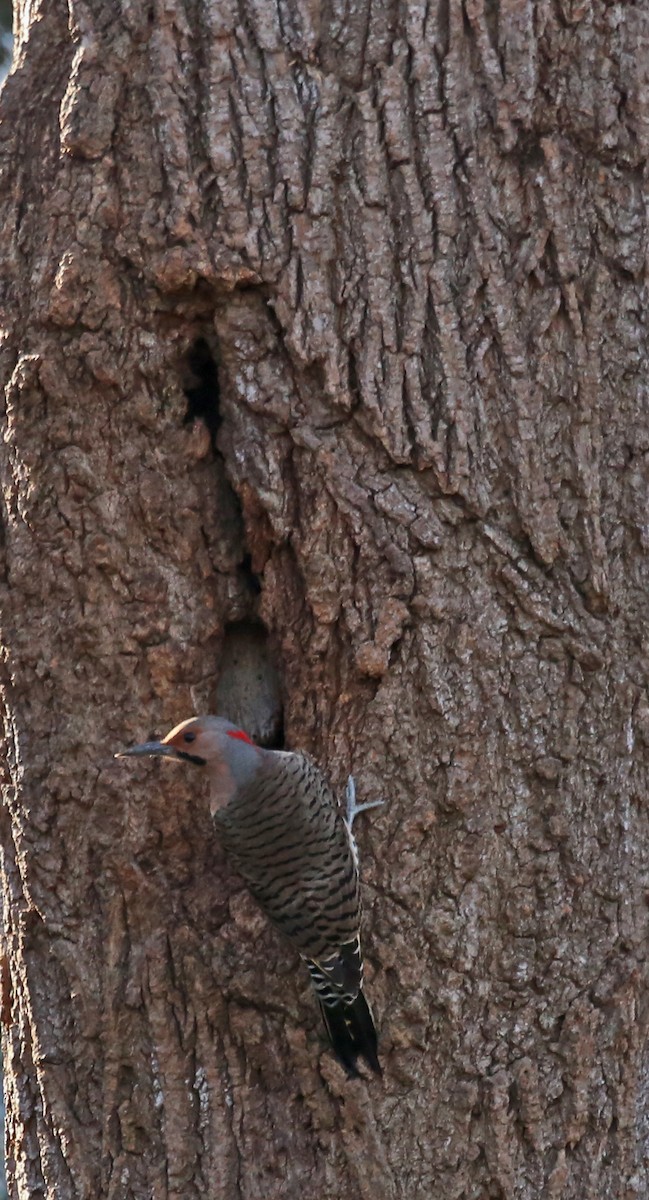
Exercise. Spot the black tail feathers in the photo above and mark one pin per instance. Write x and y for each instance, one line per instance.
(352, 1032)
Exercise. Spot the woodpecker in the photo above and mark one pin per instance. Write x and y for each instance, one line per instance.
(282, 830)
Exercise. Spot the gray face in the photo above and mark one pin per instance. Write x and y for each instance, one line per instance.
(206, 742)
(229, 757)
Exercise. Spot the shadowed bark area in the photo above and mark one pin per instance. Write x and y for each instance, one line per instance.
(328, 321)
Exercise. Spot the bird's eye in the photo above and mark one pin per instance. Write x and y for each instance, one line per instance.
(189, 737)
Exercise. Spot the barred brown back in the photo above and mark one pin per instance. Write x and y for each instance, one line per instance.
(285, 836)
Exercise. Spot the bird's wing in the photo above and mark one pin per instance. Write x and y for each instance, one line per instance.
(286, 837)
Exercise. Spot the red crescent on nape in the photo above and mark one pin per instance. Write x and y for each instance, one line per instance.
(240, 736)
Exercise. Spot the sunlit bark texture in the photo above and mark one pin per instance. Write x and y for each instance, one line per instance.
(324, 343)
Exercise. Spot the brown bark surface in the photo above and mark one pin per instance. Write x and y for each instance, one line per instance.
(412, 238)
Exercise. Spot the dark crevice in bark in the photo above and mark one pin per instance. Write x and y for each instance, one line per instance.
(249, 690)
(252, 579)
(202, 387)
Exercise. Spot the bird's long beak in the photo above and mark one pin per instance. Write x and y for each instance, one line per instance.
(152, 748)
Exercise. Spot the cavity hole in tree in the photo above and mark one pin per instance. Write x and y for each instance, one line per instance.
(249, 687)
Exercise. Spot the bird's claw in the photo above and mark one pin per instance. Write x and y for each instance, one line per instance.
(353, 809)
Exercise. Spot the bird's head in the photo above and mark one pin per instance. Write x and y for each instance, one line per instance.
(229, 756)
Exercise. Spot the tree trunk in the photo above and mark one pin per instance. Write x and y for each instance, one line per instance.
(325, 343)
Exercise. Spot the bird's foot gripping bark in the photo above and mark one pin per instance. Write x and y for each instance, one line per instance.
(353, 809)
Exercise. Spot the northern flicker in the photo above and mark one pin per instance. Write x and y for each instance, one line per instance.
(282, 830)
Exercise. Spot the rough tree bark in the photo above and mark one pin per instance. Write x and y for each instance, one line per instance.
(325, 329)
